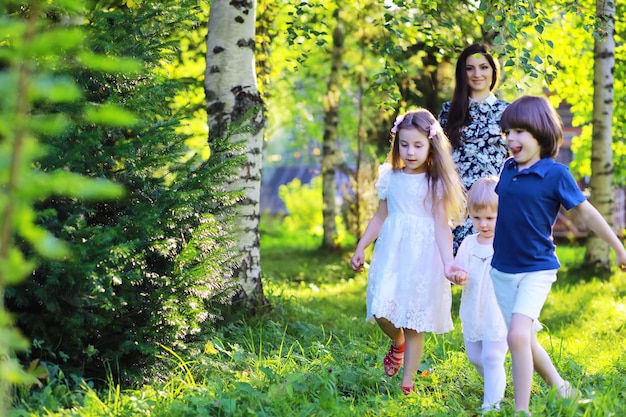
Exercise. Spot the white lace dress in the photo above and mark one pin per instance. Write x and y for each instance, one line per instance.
(406, 282)
(480, 314)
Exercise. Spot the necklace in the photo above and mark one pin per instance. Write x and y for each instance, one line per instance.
(481, 258)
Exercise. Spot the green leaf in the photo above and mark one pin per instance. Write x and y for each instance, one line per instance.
(78, 186)
(110, 64)
(10, 370)
(16, 268)
(110, 115)
(52, 124)
(54, 89)
(63, 40)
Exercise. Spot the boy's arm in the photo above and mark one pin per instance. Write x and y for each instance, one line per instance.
(594, 221)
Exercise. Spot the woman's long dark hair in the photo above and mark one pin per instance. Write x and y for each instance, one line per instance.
(459, 106)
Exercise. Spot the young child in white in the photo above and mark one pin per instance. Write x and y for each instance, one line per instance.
(484, 329)
(420, 195)
(531, 188)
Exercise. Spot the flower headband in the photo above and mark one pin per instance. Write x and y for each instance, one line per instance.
(399, 120)
(432, 130)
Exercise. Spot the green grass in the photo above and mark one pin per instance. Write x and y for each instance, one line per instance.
(313, 354)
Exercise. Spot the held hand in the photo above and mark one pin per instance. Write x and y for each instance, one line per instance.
(461, 278)
(456, 274)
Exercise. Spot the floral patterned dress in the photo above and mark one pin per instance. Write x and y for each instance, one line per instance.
(482, 150)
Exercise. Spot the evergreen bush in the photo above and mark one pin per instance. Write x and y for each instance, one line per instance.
(151, 268)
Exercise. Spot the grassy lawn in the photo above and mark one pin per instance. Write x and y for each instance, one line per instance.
(313, 354)
(584, 327)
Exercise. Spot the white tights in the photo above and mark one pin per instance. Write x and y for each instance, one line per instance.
(488, 358)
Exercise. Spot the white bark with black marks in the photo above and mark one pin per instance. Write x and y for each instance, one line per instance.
(235, 110)
(598, 253)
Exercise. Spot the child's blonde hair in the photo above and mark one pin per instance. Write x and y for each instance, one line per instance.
(441, 171)
(483, 194)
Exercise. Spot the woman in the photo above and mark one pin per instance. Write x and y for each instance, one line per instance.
(472, 122)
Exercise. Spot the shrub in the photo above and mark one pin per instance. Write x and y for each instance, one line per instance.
(150, 268)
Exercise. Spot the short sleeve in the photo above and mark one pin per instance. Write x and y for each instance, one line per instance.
(384, 172)
(568, 190)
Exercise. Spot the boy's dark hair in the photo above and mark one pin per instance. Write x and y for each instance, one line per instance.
(535, 115)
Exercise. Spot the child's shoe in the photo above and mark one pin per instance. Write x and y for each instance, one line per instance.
(393, 359)
(408, 390)
(567, 391)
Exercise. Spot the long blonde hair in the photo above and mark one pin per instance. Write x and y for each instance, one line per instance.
(441, 171)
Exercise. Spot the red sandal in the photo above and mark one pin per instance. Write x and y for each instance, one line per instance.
(393, 359)
(408, 390)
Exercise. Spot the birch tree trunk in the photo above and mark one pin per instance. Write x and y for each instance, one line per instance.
(232, 94)
(330, 143)
(598, 253)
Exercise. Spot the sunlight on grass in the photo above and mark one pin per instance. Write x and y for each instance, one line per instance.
(313, 354)
(345, 295)
(588, 318)
(582, 320)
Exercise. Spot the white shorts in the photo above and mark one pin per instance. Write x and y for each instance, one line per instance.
(523, 293)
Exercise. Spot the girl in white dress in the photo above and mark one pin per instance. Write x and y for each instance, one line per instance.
(484, 329)
(421, 197)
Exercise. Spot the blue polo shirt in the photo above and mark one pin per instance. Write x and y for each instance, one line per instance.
(528, 204)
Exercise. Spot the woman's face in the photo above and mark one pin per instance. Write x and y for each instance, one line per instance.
(479, 75)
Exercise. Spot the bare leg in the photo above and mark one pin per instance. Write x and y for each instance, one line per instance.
(543, 364)
(544, 367)
(396, 334)
(392, 362)
(412, 356)
(519, 339)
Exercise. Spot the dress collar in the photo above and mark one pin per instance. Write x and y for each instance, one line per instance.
(490, 99)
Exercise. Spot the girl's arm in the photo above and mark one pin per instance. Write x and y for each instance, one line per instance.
(370, 234)
(461, 260)
(443, 238)
(594, 221)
